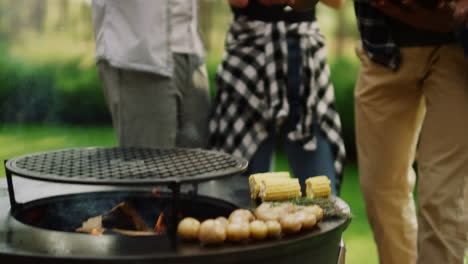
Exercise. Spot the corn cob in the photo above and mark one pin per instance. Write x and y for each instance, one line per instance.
(318, 186)
(256, 179)
(272, 189)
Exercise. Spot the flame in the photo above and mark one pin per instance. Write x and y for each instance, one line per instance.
(155, 192)
(159, 227)
(96, 232)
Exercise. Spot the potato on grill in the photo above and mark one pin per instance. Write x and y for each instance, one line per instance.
(188, 228)
(241, 215)
(267, 212)
(211, 232)
(273, 189)
(274, 228)
(222, 220)
(318, 186)
(256, 179)
(290, 223)
(314, 209)
(258, 230)
(308, 219)
(238, 231)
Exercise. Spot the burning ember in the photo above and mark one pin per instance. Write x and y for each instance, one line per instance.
(96, 232)
(124, 219)
(155, 192)
(159, 227)
(121, 218)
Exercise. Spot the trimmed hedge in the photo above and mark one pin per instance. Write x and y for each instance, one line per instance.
(54, 92)
(67, 92)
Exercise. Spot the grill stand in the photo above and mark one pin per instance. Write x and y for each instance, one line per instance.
(11, 192)
(172, 228)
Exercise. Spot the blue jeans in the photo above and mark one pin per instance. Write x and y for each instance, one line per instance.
(303, 163)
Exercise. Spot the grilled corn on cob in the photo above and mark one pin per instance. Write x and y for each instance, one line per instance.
(272, 189)
(318, 186)
(256, 179)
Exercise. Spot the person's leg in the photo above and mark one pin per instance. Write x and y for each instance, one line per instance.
(191, 82)
(443, 160)
(143, 107)
(389, 110)
(110, 82)
(262, 160)
(305, 164)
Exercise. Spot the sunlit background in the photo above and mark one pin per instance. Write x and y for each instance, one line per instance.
(51, 98)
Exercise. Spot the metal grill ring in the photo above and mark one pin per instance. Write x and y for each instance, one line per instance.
(126, 166)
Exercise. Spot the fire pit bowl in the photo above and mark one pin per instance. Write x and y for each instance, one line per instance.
(42, 229)
(28, 236)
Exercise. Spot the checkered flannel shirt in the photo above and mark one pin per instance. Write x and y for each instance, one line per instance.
(252, 89)
(376, 38)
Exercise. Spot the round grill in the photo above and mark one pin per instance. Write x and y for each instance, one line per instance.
(126, 166)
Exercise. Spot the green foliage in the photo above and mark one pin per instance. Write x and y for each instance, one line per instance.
(66, 91)
(212, 67)
(343, 74)
(50, 92)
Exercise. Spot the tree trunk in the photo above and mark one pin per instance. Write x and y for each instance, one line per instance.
(38, 14)
(63, 15)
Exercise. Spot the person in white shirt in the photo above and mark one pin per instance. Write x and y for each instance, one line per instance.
(150, 59)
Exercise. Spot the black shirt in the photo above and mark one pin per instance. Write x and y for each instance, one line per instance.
(274, 13)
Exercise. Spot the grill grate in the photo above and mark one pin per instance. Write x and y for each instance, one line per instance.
(126, 166)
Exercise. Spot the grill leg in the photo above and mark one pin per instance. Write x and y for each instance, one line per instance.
(342, 252)
(172, 229)
(11, 190)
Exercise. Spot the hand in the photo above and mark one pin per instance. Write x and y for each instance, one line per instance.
(277, 2)
(238, 3)
(460, 11)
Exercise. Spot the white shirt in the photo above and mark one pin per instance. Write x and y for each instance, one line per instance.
(142, 34)
(184, 27)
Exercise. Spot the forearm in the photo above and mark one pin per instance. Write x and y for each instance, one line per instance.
(460, 8)
(333, 3)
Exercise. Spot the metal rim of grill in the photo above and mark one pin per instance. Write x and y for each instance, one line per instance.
(126, 166)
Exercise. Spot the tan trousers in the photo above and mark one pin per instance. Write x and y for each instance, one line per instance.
(150, 110)
(425, 100)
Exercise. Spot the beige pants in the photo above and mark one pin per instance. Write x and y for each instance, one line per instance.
(149, 110)
(425, 100)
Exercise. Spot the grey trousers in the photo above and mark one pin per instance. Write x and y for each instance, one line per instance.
(150, 110)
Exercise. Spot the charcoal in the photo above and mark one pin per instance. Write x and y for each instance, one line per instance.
(124, 216)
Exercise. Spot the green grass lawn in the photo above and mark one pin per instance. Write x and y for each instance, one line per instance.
(21, 139)
(24, 139)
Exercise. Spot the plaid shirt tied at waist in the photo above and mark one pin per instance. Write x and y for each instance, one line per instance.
(252, 89)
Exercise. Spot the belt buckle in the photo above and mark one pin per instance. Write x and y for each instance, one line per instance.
(287, 9)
